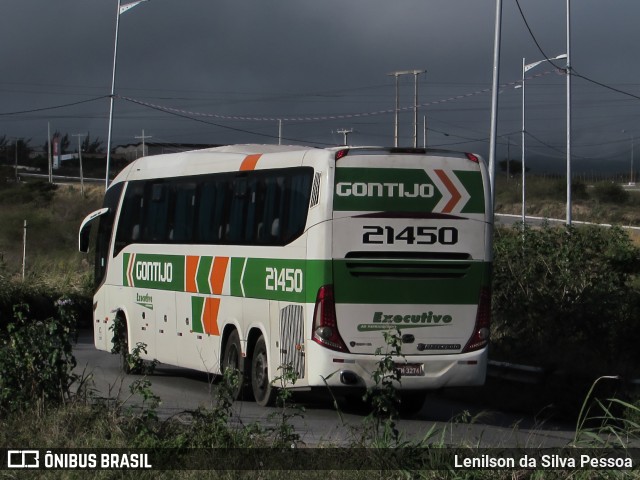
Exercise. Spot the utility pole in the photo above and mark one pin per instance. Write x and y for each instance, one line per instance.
(415, 106)
(345, 134)
(80, 135)
(143, 144)
(415, 74)
(24, 249)
(17, 178)
(424, 131)
(49, 152)
(397, 110)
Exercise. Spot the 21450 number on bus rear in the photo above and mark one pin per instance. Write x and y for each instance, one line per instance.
(377, 234)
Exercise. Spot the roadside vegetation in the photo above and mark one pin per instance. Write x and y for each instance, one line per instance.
(604, 201)
(565, 300)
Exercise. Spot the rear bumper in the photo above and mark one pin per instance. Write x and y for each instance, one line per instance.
(338, 370)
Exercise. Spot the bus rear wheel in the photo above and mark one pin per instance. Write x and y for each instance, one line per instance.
(263, 391)
(412, 402)
(232, 360)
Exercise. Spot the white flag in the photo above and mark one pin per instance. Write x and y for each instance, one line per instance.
(129, 6)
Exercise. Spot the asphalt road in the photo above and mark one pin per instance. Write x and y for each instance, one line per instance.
(181, 390)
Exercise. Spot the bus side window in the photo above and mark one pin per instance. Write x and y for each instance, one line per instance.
(238, 210)
(212, 204)
(268, 225)
(105, 231)
(298, 205)
(255, 206)
(206, 206)
(184, 210)
(130, 216)
(157, 196)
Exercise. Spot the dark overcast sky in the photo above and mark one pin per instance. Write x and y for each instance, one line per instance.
(295, 59)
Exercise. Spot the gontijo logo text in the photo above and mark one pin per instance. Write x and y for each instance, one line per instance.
(154, 271)
(388, 190)
(165, 272)
(435, 190)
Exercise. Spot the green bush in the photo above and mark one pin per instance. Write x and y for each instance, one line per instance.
(36, 359)
(38, 193)
(564, 298)
(609, 192)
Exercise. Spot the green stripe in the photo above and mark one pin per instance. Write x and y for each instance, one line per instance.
(472, 182)
(390, 283)
(355, 280)
(279, 279)
(125, 267)
(202, 275)
(197, 307)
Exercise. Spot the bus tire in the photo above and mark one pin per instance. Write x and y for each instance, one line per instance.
(122, 341)
(263, 391)
(232, 360)
(412, 402)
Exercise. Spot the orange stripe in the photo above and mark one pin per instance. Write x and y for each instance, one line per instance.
(210, 316)
(192, 269)
(218, 272)
(250, 161)
(455, 194)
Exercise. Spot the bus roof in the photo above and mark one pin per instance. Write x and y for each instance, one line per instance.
(244, 157)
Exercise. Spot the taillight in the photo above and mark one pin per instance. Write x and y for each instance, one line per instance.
(325, 324)
(342, 153)
(473, 157)
(480, 337)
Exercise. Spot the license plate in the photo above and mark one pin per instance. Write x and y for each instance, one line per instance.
(410, 369)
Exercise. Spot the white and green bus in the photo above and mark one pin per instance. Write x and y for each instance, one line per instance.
(252, 257)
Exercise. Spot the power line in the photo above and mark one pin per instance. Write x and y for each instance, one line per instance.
(241, 130)
(54, 107)
(572, 70)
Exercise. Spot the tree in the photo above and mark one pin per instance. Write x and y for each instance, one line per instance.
(8, 149)
(24, 149)
(515, 166)
(64, 142)
(91, 146)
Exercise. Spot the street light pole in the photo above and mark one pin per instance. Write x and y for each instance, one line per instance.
(524, 177)
(120, 11)
(525, 69)
(494, 103)
(568, 115)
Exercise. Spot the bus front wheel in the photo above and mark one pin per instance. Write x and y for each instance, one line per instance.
(263, 391)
